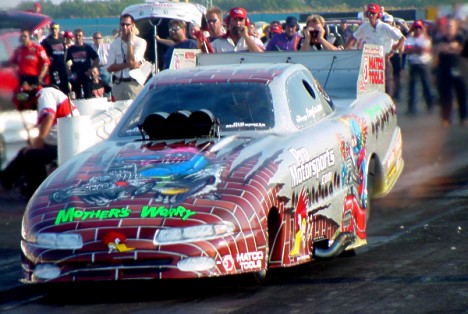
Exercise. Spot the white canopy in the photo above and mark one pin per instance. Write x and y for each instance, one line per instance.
(184, 11)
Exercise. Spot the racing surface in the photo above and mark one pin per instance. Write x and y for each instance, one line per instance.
(415, 261)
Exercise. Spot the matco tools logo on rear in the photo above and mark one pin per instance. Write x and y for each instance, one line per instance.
(306, 167)
(250, 260)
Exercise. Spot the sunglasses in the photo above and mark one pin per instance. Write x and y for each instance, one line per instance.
(418, 27)
(97, 37)
(371, 13)
(174, 29)
(125, 24)
(212, 21)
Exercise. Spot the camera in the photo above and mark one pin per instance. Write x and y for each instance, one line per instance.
(313, 34)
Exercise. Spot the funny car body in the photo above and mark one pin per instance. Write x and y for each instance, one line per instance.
(216, 171)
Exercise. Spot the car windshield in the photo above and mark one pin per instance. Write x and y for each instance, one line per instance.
(238, 105)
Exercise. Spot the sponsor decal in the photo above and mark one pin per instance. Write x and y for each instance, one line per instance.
(116, 242)
(228, 262)
(161, 211)
(72, 214)
(245, 125)
(305, 167)
(250, 260)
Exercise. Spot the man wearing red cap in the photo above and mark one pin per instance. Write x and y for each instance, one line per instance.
(376, 32)
(418, 49)
(237, 38)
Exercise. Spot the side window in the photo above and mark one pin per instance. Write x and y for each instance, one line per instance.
(306, 106)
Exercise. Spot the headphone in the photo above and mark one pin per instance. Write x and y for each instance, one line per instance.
(379, 15)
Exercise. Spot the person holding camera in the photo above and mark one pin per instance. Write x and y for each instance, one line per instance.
(237, 38)
(316, 36)
(126, 52)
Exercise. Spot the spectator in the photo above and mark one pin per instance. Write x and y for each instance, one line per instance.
(99, 87)
(447, 50)
(102, 50)
(287, 40)
(253, 30)
(126, 52)
(68, 39)
(418, 47)
(37, 7)
(237, 38)
(316, 36)
(82, 57)
(31, 162)
(271, 30)
(345, 31)
(376, 32)
(55, 47)
(396, 58)
(178, 31)
(31, 60)
(215, 23)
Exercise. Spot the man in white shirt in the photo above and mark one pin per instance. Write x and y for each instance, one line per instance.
(419, 51)
(29, 167)
(126, 52)
(237, 38)
(102, 50)
(376, 32)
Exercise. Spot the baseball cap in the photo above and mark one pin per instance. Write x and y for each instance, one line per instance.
(374, 8)
(418, 23)
(68, 34)
(238, 12)
(387, 18)
(291, 21)
(276, 29)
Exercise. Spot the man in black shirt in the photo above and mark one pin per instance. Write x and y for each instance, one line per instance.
(55, 49)
(83, 58)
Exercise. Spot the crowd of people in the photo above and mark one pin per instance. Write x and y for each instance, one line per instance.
(63, 67)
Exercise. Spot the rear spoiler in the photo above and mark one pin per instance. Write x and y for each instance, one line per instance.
(346, 73)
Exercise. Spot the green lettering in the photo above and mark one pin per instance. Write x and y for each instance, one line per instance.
(180, 211)
(163, 211)
(114, 213)
(87, 215)
(65, 215)
(188, 213)
(78, 214)
(172, 211)
(104, 214)
(148, 211)
(125, 213)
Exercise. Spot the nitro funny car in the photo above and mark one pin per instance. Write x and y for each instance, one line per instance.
(216, 171)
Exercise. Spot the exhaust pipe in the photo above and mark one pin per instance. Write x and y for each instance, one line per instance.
(339, 245)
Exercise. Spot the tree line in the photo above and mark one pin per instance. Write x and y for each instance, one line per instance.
(113, 8)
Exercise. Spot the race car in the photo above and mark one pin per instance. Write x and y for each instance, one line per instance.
(215, 171)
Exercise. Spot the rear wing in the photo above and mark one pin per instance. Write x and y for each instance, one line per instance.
(342, 73)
